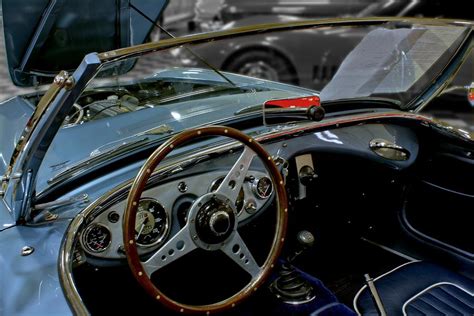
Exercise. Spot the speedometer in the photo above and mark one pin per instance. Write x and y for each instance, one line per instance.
(151, 224)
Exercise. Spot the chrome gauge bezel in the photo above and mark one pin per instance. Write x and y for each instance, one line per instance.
(84, 235)
(255, 188)
(166, 231)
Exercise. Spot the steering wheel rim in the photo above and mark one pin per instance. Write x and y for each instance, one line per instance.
(141, 270)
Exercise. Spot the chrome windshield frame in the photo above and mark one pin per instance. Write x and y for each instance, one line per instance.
(18, 184)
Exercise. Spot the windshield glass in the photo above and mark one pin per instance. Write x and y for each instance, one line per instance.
(158, 94)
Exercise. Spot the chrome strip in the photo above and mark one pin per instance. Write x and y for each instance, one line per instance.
(200, 38)
(38, 113)
(356, 297)
(429, 288)
(65, 264)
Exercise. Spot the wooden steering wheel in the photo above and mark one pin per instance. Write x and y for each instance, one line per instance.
(212, 222)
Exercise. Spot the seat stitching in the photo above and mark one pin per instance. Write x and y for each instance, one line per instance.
(429, 288)
(437, 302)
(456, 297)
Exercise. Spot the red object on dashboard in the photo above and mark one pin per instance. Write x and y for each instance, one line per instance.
(304, 102)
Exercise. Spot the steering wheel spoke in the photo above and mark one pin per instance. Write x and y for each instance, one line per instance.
(178, 246)
(237, 250)
(234, 180)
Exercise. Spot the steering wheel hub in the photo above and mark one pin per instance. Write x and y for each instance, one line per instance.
(215, 221)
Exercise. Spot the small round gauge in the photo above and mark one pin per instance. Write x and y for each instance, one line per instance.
(151, 224)
(96, 238)
(239, 203)
(263, 187)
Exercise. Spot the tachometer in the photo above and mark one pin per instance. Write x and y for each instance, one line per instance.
(151, 223)
(96, 238)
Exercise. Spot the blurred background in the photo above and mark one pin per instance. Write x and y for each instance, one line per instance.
(264, 60)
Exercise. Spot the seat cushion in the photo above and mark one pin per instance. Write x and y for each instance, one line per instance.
(419, 288)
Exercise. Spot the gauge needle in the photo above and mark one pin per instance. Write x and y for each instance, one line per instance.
(143, 226)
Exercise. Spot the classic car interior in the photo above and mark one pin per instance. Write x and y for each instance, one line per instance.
(365, 212)
(146, 179)
(356, 209)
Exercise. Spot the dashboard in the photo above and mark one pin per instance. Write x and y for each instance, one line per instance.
(162, 212)
(163, 207)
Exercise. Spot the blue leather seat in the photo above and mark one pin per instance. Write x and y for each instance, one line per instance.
(419, 288)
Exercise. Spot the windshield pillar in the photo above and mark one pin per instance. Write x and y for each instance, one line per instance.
(39, 133)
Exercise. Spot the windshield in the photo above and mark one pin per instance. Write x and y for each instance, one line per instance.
(150, 97)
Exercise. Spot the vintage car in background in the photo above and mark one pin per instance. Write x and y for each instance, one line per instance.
(192, 190)
(275, 57)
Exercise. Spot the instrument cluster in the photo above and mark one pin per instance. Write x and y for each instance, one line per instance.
(161, 211)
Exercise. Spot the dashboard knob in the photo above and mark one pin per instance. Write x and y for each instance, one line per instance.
(307, 175)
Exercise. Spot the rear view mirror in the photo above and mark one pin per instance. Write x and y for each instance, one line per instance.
(283, 111)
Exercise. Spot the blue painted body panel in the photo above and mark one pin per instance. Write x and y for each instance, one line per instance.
(29, 285)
